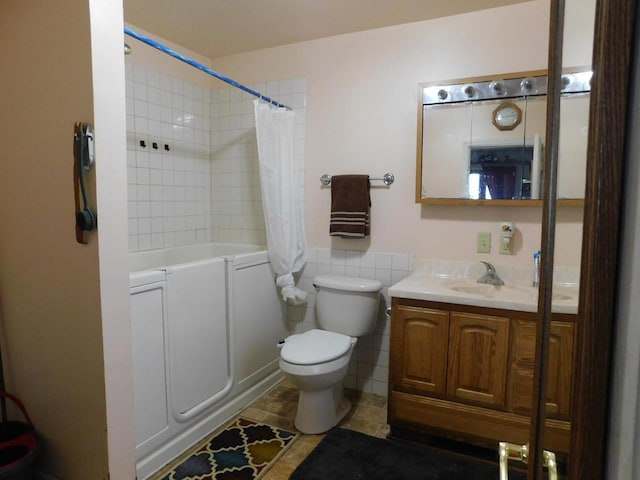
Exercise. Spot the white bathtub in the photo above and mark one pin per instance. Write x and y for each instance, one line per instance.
(206, 320)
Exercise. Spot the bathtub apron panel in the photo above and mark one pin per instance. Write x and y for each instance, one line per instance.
(206, 319)
(151, 405)
(259, 324)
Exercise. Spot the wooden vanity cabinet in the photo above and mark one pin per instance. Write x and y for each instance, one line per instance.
(467, 372)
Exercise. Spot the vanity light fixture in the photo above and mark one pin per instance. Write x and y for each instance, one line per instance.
(588, 76)
(498, 87)
(528, 85)
(469, 90)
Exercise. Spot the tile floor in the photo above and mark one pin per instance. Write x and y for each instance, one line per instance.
(278, 408)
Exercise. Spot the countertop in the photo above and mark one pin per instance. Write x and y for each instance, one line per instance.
(458, 286)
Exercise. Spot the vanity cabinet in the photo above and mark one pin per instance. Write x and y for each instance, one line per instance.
(466, 373)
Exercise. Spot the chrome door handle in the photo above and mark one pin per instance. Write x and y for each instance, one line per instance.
(550, 462)
(520, 453)
(511, 451)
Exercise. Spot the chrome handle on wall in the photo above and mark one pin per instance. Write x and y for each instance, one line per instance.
(520, 453)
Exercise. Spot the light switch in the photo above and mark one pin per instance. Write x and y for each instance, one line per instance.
(483, 243)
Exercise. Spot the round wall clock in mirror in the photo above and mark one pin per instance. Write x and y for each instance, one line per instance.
(507, 116)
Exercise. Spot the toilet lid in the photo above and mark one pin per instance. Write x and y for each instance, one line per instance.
(315, 346)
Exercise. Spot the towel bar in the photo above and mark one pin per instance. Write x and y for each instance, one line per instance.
(387, 179)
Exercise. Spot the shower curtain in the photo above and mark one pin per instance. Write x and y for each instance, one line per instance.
(283, 214)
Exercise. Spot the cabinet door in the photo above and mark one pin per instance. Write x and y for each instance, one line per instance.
(478, 358)
(560, 367)
(419, 349)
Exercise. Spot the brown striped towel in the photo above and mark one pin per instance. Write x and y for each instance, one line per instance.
(350, 204)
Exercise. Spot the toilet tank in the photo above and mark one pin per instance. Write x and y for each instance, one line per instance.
(347, 305)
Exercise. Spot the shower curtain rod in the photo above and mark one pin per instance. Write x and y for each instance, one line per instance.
(199, 66)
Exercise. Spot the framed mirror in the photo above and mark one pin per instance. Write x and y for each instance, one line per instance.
(481, 140)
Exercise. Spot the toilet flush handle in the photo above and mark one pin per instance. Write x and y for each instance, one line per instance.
(280, 343)
(387, 312)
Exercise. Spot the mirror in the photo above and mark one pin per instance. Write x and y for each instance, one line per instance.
(482, 140)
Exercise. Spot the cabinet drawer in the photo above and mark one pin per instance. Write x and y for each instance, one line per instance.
(524, 346)
(560, 366)
(521, 389)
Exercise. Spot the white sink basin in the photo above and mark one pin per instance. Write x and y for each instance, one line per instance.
(467, 291)
(511, 291)
(478, 289)
(507, 293)
(486, 290)
(562, 294)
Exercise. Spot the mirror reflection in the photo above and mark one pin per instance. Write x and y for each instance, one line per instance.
(484, 140)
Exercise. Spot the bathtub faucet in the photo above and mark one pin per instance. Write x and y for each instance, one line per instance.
(490, 276)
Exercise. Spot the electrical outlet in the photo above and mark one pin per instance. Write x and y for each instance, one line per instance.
(483, 243)
(506, 246)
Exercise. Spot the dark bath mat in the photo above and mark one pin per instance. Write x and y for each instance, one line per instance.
(348, 455)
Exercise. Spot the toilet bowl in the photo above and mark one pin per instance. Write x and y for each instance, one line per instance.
(317, 361)
(321, 361)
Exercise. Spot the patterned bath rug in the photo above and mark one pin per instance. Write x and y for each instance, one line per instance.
(244, 450)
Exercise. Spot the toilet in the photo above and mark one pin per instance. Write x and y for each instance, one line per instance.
(317, 360)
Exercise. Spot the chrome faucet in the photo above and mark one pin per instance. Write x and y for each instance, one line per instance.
(490, 276)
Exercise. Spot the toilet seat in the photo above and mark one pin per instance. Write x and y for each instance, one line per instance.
(315, 346)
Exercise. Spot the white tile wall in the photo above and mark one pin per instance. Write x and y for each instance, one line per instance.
(169, 177)
(205, 187)
(237, 215)
(369, 367)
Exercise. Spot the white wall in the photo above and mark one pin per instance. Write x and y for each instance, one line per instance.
(58, 306)
(111, 183)
(361, 118)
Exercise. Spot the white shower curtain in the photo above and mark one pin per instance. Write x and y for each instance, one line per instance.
(275, 129)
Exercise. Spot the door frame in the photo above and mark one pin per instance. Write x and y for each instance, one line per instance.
(614, 36)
